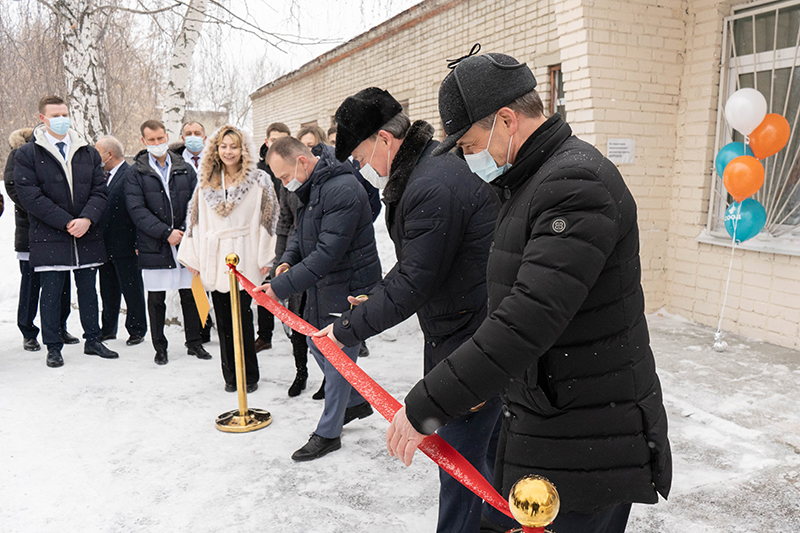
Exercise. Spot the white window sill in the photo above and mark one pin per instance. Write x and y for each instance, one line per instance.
(785, 244)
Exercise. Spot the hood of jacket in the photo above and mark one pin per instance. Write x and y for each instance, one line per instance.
(19, 137)
(419, 135)
(327, 167)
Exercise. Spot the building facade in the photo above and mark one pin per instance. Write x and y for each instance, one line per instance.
(645, 81)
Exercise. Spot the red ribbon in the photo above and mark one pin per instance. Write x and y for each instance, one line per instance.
(433, 446)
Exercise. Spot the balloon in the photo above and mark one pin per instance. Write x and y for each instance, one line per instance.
(770, 136)
(728, 153)
(750, 218)
(743, 177)
(745, 110)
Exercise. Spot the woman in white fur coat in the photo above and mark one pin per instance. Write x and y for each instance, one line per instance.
(233, 210)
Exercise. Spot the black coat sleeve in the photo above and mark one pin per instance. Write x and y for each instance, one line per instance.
(144, 219)
(432, 233)
(8, 178)
(553, 280)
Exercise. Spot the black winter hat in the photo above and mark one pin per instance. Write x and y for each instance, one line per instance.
(361, 116)
(478, 86)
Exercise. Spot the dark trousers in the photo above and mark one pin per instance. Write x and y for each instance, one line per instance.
(50, 304)
(122, 277)
(222, 310)
(266, 324)
(610, 520)
(471, 435)
(157, 309)
(28, 306)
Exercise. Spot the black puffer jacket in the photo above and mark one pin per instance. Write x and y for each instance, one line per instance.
(441, 219)
(45, 193)
(21, 224)
(566, 343)
(155, 215)
(333, 252)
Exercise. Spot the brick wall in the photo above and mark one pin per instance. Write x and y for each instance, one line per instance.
(641, 69)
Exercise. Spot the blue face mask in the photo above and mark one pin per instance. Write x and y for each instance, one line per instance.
(483, 163)
(59, 125)
(194, 143)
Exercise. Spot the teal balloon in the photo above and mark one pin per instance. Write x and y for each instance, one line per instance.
(750, 217)
(728, 153)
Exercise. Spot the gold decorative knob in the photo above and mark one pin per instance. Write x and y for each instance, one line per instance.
(232, 259)
(534, 501)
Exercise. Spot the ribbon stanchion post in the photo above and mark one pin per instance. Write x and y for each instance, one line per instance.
(241, 420)
(534, 502)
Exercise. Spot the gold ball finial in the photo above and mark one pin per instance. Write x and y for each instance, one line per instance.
(534, 501)
(232, 259)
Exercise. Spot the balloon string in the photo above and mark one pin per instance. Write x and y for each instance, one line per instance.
(730, 267)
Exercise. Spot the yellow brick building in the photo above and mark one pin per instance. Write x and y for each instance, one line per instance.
(648, 78)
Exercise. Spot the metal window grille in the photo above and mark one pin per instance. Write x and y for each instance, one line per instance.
(761, 50)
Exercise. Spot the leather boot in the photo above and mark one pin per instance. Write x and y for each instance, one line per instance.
(299, 383)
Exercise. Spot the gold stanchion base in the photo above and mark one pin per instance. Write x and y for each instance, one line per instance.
(233, 422)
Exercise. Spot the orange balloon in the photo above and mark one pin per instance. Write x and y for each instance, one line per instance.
(770, 136)
(743, 177)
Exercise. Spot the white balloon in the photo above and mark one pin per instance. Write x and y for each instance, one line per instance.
(745, 110)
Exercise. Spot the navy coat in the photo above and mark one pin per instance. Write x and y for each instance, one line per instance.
(44, 192)
(441, 219)
(333, 252)
(153, 213)
(118, 228)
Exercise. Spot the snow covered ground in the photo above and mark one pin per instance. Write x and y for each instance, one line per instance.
(128, 446)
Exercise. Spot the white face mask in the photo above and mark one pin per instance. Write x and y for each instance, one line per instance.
(483, 163)
(294, 184)
(158, 150)
(371, 175)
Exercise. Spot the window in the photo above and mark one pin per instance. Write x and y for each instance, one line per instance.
(558, 104)
(404, 105)
(761, 50)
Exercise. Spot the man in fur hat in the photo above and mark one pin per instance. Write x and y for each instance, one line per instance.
(440, 217)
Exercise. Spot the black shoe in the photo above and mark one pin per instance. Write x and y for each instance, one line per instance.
(320, 394)
(230, 387)
(362, 410)
(316, 447)
(54, 359)
(108, 337)
(299, 383)
(198, 351)
(252, 387)
(161, 357)
(133, 340)
(98, 348)
(66, 338)
(363, 351)
(31, 345)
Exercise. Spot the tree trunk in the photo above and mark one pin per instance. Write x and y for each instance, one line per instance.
(85, 79)
(180, 67)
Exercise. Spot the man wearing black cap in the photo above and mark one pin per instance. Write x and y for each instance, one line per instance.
(566, 343)
(441, 218)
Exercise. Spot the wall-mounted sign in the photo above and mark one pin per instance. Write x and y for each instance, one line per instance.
(621, 151)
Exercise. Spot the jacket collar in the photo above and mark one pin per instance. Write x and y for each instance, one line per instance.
(142, 163)
(327, 167)
(419, 135)
(533, 153)
(76, 142)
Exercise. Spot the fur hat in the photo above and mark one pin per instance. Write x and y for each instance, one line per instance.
(361, 116)
(478, 86)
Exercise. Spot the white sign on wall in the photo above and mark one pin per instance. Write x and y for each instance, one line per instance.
(621, 151)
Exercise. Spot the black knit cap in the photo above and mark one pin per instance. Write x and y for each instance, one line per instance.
(361, 116)
(478, 86)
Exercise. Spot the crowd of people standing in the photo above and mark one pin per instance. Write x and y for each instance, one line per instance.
(516, 246)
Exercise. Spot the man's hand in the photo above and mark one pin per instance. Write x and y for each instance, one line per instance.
(328, 332)
(264, 271)
(267, 288)
(283, 267)
(193, 271)
(355, 300)
(78, 227)
(175, 237)
(402, 440)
